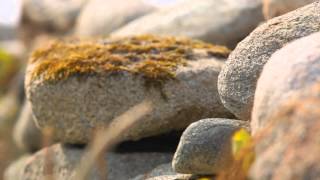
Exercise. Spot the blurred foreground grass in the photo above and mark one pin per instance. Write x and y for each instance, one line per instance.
(9, 108)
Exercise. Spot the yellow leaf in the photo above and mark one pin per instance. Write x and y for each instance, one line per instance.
(240, 140)
(242, 148)
(204, 178)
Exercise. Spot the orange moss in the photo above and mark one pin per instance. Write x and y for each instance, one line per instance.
(153, 57)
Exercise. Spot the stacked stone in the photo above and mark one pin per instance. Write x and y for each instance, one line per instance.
(270, 82)
(238, 79)
(272, 78)
(286, 113)
(77, 86)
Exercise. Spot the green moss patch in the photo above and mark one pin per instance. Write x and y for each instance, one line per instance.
(153, 57)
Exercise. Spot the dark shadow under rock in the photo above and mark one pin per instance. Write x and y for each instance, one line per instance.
(162, 143)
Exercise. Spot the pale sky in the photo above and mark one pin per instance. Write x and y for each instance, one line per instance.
(10, 12)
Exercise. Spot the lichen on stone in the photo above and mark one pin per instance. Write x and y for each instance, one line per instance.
(153, 57)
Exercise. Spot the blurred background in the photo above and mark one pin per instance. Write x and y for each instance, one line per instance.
(28, 24)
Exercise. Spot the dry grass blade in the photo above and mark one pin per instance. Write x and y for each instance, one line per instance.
(107, 138)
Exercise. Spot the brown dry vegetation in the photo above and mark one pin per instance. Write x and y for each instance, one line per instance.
(153, 57)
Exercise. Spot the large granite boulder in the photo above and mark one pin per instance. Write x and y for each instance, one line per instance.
(286, 118)
(238, 79)
(288, 146)
(291, 69)
(76, 87)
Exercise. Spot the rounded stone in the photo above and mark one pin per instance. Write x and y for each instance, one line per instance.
(205, 146)
(53, 14)
(101, 17)
(76, 87)
(220, 21)
(26, 134)
(172, 177)
(237, 80)
(161, 170)
(288, 146)
(289, 70)
(66, 159)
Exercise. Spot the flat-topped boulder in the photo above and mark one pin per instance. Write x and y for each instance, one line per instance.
(77, 86)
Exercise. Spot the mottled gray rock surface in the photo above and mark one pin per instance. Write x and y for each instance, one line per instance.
(101, 17)
(289, 70)
(273, 8)
(221, 21)
(120, 166)
(162, 170)
(26, 134)
(286, 113)
(172, 177)
(237, 81)
(205, 146)
(78, 104)
(288, 146)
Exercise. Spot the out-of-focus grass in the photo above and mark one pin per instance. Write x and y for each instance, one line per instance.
(8, 67)
(244, 155)
(8, 114)
(9, 108)
(106, 139)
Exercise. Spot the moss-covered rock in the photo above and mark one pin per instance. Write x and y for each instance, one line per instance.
(76, 86)
(150, 56)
